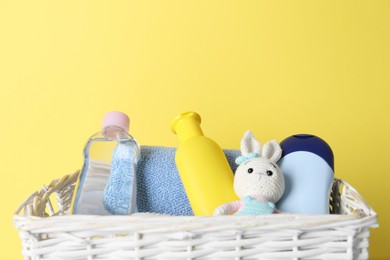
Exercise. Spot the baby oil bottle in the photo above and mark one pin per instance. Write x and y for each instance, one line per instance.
(107, 182)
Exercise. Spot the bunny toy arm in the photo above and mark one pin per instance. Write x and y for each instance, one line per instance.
(228, 208)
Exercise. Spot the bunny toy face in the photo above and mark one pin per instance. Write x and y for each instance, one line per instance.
(258, 176)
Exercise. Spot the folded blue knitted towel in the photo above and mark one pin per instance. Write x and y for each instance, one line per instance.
(159, 187)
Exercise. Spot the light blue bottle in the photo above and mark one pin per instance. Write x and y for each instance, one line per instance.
(107, 183)
(308, 167)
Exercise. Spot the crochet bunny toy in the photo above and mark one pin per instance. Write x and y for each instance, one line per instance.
(258, 181)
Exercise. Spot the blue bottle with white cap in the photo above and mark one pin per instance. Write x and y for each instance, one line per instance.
(308, 166)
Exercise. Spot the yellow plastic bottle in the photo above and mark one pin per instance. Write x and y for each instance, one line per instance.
(202, 165)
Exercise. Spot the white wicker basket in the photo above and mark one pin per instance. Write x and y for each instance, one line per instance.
(49, 232)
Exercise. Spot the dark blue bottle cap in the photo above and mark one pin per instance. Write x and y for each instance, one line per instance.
(309, 143)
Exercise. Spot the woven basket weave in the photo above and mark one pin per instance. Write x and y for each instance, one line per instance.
(49, 232)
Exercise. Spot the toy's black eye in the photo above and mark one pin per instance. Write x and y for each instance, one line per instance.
(269, 173)
(250, 170)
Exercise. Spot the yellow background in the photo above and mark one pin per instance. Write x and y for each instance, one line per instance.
(276, 67)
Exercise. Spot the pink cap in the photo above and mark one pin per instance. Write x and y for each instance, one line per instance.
(117, 118)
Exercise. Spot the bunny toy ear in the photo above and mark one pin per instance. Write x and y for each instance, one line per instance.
(249, 144)
(272, 151)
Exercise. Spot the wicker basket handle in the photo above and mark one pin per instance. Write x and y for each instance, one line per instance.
(36, 203)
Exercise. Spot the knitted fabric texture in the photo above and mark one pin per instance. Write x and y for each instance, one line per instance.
(258, 182)
(159, 187)
(252, 206)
